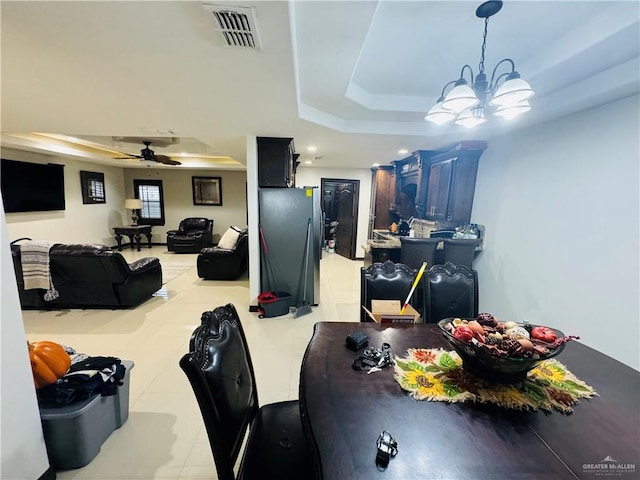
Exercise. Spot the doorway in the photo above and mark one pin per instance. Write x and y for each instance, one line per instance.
(339, 200)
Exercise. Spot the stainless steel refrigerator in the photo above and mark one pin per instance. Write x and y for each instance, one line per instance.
(284, 219)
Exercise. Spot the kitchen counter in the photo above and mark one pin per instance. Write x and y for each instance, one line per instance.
(384, 239)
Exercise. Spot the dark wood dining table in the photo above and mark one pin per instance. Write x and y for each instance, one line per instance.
(345, 410)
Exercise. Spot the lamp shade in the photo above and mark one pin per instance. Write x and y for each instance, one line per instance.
(133, 203)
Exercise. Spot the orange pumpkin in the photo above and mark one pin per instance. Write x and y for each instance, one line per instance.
(49, 362)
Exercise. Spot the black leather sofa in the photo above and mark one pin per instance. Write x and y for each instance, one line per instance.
(91, 276)
(193, 234)
(217, 263)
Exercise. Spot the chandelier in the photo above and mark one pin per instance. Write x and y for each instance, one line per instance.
(467, 105)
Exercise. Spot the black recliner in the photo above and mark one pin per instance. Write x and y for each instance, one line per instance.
(215, 263)
(193, 234)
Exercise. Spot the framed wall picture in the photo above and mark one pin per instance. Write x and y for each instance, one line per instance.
(207, 190)
(92, 184)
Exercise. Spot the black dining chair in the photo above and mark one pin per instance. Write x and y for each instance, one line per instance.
(388, 281)
(415, 250)
(451, 291)
(460, 251)
(221, 374)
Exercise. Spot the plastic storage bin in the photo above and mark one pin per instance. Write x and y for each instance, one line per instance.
(274, 304)
(74, 433)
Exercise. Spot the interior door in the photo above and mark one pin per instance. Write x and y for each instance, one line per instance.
(340, 203)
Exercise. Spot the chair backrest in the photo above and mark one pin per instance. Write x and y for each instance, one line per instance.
(220, 371)
(414, 251)
(78, 263)
(387, 281)
(451, 291)
(242, 245)
(196, 223)
(460, 251)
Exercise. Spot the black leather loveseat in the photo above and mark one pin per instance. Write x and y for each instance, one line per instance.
(91, 276)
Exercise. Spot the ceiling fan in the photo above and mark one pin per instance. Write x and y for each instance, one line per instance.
(149, 155)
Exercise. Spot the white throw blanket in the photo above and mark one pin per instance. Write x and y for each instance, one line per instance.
(34, 257)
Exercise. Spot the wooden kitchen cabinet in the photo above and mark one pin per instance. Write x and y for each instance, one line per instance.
(276, 162)
(452, 183)
(383, 181)
(415, 170)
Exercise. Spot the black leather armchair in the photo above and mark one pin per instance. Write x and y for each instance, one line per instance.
(215, 263)
(193, 234)
(91, 276)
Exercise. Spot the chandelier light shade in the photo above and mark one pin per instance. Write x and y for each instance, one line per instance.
(460, 98)
(439, 115)
(468, 105)
(512, 91)
(471, 117)
(513, 111)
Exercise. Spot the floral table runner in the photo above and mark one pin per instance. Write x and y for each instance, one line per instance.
(437, 375)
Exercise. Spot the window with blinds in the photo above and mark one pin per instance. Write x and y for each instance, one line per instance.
(151, 194)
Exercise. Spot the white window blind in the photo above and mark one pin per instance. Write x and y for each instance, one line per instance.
(151, 203)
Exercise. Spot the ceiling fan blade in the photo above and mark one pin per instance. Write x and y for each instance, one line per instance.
(166, 160)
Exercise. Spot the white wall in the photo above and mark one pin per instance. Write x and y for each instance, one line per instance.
(178, 198)
(561, 205)
(93, 223)
(78, 223)
(23, 454)
(309, 176)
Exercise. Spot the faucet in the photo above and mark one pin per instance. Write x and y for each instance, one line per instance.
(413, 219)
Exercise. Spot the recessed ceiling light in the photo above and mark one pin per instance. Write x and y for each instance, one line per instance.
(308, 162)
(376, 165)
(403, 151)
(312, 149)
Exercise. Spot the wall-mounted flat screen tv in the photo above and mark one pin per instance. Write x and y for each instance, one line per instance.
(31, 187)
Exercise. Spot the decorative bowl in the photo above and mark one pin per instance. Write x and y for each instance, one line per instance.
(491, 367)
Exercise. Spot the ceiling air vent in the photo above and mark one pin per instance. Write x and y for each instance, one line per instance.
(237, 25)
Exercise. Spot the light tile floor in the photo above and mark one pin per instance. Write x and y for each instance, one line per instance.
(164, 437)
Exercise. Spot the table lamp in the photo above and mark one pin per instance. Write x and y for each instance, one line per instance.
(134, 204)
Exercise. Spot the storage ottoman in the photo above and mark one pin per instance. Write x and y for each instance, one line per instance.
(74, 433)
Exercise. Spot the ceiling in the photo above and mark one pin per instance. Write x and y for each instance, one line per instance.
(354, 79)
